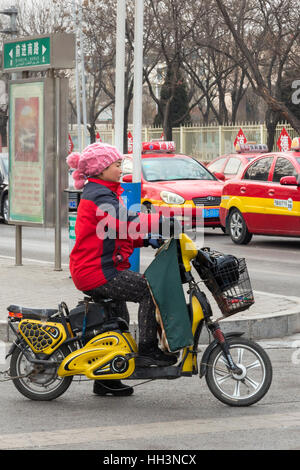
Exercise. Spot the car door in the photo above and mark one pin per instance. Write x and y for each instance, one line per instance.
(218, 165)
(253, 188)
(285, 202)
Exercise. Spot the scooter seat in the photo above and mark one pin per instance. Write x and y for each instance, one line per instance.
(33, 313)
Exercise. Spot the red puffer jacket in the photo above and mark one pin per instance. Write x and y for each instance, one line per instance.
(106, 234)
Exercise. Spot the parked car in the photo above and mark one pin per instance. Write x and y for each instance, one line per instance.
(73, 194)
(265, 199)
(4, 187)
(179, 185)
(231, 165)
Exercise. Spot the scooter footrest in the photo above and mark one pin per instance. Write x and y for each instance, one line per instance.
(169, 372)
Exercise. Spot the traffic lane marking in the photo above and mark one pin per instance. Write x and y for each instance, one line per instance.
(147, 431)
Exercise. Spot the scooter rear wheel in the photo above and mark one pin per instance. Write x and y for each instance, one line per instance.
(251, 384)
(38, 382)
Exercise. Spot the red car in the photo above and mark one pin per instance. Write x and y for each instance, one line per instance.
(265, 200)
(230, 166)
(177, 185)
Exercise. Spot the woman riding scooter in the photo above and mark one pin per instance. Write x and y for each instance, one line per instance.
(106, 235)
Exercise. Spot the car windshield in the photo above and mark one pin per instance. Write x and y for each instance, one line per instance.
(170, 169)
(4, 158)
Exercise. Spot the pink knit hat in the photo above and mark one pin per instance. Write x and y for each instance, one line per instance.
(92, 161)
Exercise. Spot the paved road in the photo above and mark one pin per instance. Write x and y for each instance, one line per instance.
(273, 262)
(161, 415)
(180, 414)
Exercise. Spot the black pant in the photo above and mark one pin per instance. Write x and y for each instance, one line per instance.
(132, 287)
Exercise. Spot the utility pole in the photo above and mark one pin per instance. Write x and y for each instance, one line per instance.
(120, 69)
(138, 90)
(79, 144)
(12, 12)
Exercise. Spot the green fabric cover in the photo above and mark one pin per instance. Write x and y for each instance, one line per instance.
(164, 279)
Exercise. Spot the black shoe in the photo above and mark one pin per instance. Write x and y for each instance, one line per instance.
(154, 357)
(112, 387)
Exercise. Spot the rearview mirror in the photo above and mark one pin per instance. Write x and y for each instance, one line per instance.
(289, 181)
(220, 176)
(127, 179)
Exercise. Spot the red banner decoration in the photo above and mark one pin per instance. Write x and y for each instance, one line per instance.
(240, 138)
(130, 142)
(284, 141)
(70, 144)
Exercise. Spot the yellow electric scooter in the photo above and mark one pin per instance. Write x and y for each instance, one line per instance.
(54, 345)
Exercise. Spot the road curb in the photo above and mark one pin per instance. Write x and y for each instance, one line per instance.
(270, 325)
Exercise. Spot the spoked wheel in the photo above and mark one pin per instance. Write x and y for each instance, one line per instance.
(38, 382)
(251, 384)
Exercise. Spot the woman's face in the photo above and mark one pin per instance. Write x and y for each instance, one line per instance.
(112, 173)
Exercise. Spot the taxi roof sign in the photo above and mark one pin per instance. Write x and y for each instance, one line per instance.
(159, 145)
(251, 148)
(295, 145)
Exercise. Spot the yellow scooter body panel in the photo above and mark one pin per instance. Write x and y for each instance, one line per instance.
(188, 250)
(106, 356)
(190, 362)
(42, 336)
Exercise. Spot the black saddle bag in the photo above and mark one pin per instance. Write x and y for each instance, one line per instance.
(87, 316)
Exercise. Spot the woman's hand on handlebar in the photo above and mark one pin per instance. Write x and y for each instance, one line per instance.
(154, 240)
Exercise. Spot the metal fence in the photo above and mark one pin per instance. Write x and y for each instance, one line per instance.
(203, 142)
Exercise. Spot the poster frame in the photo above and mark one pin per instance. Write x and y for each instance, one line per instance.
(48, 151)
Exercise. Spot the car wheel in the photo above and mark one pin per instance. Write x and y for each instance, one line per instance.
(5, 209)
(238, 229)
(147, 208)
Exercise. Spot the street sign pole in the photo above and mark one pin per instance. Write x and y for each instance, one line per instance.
(57, 228)
(43, 103)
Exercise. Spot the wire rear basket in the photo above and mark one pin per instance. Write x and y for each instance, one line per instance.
(229, 282)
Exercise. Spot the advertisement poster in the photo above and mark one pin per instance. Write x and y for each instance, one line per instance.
(26, 169)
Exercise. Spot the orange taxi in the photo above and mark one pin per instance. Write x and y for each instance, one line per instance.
(176, 185)
(265, 199)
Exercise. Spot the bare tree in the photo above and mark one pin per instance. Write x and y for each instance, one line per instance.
(270, 39)
(100, 33)
(174, 21)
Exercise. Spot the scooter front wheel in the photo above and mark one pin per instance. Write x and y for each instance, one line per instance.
(39, 382)
(250, 384)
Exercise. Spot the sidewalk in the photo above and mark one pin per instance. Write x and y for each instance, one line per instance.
(37, 285)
